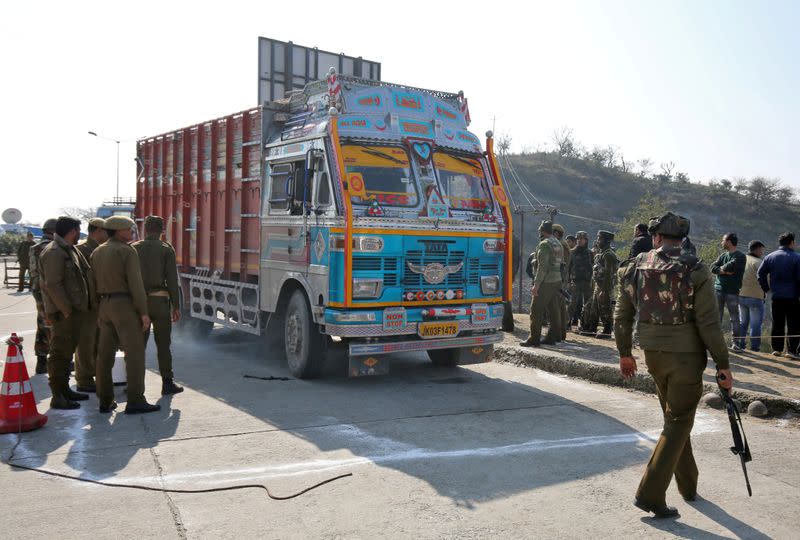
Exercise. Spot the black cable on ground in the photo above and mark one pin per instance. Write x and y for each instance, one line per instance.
(166, 490)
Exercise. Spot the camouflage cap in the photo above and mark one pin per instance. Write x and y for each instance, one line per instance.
(154, 221)
(98, 222)
(558, 228)
(546, 226)
(669, 225)
(608, 236)
(582, 234)
(49, 225)
(119, 223)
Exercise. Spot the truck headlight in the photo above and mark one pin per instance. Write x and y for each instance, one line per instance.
(355, 316)
(367, 288)
(371, 244)
(490, 284)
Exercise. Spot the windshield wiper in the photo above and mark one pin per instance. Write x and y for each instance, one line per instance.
(371, 151)
(462, 160)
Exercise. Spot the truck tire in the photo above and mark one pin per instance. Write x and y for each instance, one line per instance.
(305, 346)
(444, 357)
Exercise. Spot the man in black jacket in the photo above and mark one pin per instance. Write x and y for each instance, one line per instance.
(642, 242)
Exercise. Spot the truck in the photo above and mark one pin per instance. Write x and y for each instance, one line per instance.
(351, 210)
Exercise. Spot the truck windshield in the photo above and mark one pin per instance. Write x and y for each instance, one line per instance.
(462, 182)
(386, 173)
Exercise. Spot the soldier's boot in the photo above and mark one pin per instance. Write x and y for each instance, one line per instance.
(41, 364)
(108, 408)
(660, 510)
(530, 342)
(169, 387)
(141, 408)
(75, 396)
(60, 401)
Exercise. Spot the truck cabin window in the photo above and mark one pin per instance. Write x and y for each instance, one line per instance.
(323, 190)
(462, 182)
(381, 173)
(279, 176)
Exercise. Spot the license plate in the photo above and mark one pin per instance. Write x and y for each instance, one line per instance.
(437, 329)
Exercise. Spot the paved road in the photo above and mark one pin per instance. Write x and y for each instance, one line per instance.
(486, 451)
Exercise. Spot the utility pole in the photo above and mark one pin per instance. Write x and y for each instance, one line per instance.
(523, 257)
(116, 141)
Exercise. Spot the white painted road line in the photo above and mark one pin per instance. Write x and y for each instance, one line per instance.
(17, 313)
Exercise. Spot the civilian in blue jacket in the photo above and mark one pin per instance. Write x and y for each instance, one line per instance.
(779, 273)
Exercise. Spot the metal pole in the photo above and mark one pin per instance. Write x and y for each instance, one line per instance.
(521, 258)
(117, 169)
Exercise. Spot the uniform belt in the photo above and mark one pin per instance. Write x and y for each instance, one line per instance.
(115, 295)
(158, 293)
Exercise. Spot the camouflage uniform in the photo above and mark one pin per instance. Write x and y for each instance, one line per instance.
(604, 275)
(580, 278)
(42, 344)
(673, 294)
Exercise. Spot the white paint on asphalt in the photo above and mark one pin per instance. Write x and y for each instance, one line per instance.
(16, 313)
(390, 451)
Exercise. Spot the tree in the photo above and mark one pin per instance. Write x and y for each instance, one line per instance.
(682, 178)
(564, 141)
(725, 184)
(82, 213)
(740, 185)
(611, 154)
(624, 166)
(648, 207)
(709, 252)
(645, 166)
(503, 144)
(761, 189)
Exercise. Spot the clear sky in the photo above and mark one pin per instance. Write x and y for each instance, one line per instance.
(710, 85)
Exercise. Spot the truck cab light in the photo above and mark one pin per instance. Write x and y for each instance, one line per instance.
(355, 316)
(367, 288)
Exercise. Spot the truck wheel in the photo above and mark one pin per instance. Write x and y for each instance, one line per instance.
(305, 347)
(444, 357)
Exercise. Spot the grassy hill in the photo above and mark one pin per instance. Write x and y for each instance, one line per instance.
(604, 196)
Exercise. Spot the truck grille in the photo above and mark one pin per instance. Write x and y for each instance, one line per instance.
(379, 265)
(482, 267)
(420, 258)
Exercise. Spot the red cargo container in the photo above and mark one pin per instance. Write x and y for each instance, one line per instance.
(204, 180)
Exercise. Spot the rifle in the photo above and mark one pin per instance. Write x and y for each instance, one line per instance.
(740, 446)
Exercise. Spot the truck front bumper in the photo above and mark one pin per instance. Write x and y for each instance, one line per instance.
(388, 347)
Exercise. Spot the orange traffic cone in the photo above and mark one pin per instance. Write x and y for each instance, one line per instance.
(17, 406)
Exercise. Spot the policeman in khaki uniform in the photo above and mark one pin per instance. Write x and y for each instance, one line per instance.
(546, 288)
(122, 315)
(673, 294)
(42, 343)
(160, 277)
(87, 343)
(68, 295)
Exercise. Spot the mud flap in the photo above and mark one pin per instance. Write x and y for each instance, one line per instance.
(508, 317)
(475, 355)
(362, 366)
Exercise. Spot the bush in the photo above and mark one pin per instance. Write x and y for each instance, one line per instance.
(9, 243)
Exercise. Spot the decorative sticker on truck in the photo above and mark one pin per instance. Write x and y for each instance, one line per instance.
(405, 101)
(415, 128)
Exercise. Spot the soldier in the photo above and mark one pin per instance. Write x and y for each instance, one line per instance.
(24, 258)
(581, 275)
(604, 274)
(673, 294)
(572, 241)
(42, 344)
(546, 287)
(558, 233)
(122, 315)
(68, 294)
(160, 277)
(87, 343)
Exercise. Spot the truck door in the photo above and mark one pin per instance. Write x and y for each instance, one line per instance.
(285, 237)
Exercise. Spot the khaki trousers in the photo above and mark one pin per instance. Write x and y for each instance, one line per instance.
(546, 301)
(87, 350)
(63, 341)
(679, 383)
(158, 307)
(120, 328)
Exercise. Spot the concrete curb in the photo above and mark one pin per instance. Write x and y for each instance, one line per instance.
(609, 374)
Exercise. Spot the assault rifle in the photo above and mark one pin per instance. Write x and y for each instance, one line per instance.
(740, 446)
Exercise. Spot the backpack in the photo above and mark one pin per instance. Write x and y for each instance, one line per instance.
(663, 292)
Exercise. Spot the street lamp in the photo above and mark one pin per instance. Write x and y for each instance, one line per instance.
(112, 140)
